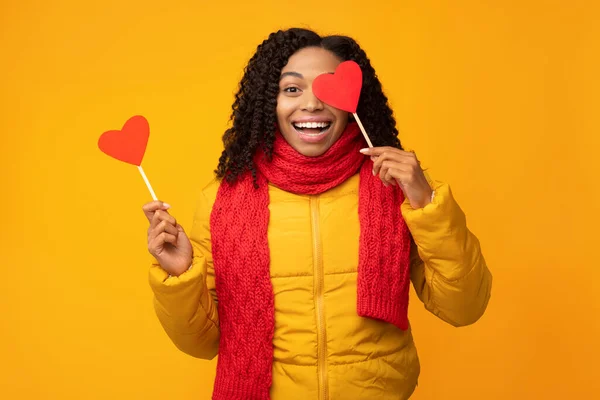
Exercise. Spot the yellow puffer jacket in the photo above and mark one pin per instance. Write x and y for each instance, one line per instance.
(322, 348)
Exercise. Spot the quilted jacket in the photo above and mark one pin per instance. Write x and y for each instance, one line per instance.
(322, 348)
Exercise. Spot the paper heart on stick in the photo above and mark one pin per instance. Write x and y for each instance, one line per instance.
(129, 143)
(341, 89)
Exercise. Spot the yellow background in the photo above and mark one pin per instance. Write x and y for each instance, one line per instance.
(499, 98)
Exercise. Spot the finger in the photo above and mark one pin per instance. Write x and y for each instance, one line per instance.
(401, 173)
(150, 208)
(160, 215)
(386, 171)
(384, 165)
(377, 151)
(168, 238)
(384, 175)
(155, 221)
(163, 226)
(390, 179)
(158, 242)
(404, 157)
(401, 177)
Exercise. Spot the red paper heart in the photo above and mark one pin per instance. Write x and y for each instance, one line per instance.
(342, 89)
(128, 144)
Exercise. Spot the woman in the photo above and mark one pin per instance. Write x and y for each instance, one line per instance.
(303, 247)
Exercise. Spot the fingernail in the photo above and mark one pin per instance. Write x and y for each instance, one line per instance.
(166, 205)
(373, 172)
(364, 150)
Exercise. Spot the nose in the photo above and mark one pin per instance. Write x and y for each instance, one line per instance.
(311, 102)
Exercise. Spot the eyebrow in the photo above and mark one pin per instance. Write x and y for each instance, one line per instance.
(291, 73)
(296, 74)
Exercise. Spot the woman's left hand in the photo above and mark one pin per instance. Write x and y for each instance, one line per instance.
(402, 168)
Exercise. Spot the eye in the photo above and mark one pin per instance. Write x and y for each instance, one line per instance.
(292, 89)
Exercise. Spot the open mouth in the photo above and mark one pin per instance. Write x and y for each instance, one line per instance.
(312, 128)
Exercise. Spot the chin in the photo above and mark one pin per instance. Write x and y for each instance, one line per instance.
(312, 151)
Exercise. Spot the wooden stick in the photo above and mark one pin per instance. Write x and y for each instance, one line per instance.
(147, 182)
(362, 128)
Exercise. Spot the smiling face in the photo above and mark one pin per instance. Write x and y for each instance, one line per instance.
(308, 125)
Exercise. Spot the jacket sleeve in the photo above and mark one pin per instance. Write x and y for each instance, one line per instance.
(186, 304)
(448, 270)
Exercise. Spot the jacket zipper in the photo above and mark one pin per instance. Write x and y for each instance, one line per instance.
(319, 303)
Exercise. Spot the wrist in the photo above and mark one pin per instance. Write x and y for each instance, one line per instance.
(426, 200)
(191, 264)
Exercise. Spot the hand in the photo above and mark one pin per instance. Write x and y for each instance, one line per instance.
(167, 240)
(398, 167)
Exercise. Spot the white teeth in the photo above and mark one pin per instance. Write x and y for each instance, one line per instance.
(312, 125)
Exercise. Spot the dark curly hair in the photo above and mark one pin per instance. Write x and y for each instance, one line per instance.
(254, 109)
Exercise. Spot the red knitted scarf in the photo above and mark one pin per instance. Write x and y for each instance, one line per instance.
(239, 223)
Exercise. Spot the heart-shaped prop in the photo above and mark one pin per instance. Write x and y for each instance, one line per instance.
(128, 144)
(342, 89)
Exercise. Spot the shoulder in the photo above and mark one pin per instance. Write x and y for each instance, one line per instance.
(211, 187)
(208, 192)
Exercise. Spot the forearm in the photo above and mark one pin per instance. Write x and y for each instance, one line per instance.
(450, 275)
(186, 310)
(459, 302)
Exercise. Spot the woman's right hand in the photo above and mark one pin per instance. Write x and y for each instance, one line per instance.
(167, 240)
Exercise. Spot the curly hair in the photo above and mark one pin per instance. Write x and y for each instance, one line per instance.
(254, 109)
